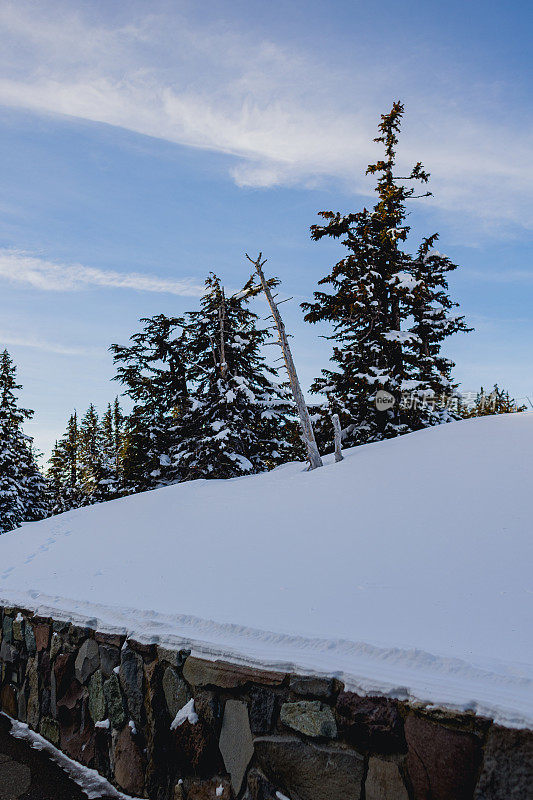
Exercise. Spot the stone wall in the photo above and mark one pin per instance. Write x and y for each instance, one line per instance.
(165, 725)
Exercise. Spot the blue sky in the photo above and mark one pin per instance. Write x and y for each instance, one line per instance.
(145, 144)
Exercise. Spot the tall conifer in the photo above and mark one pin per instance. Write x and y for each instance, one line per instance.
(389, 310)
(62, 475)
(153, 370)
(239, 419)
(22, 487)
(90, 457)
(109, 481)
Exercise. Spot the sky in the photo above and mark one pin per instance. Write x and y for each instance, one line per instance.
(145, 144)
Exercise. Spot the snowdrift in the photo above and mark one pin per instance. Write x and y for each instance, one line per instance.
(404, 570)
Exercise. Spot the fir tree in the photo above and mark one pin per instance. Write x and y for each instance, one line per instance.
(239, 420)
(108, 485)
(433, 321)
(389, 311)
(118, 434)
(89, 453)
(153, 370)
(86, 463)
(62, 474)
(498, 401)
(22, 487)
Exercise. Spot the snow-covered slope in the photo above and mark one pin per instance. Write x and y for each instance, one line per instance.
(405, 569)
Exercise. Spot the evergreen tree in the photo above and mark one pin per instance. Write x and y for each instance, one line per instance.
(62, 475)
(86, 463)
(110, 454)
(90, 456)
(389, 311)
(153, 370)
(118, 434)
(433, 321)
(22, 487)
(498, 401)
(239, 420)
(37, 503)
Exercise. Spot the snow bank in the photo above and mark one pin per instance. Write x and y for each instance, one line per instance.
(406, 569)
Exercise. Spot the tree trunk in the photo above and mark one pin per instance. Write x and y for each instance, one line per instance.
(222, 319)
(337, 430)
(305, 421)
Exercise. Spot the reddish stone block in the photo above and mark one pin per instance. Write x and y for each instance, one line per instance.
(42, 636)
(74, 693)
(112, 639)
(371, 723)
(199, 672)
(129, 764)
(442, 763)
(63, 672)
(147, 651)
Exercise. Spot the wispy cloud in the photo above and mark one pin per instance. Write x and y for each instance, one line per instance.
(279, 111)
(37, 343)
(19, 267)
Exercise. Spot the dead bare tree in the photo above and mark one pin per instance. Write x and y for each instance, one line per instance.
(305, 421)
(337, 431)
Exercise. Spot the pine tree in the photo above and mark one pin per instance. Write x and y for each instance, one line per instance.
(62, 474)
(22, 487)
(86, 463)
(36, 502)
(432, 393)
(90, 456)
(118, 439)
(239, 420)
(108, 480)
(153, 370)
(498, 401)
(110, 439)
(389, 311)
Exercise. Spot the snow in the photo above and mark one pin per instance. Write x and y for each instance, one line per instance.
(87, 779)
(185, 713)
(404, 569)
(401, 336)
(404, 280)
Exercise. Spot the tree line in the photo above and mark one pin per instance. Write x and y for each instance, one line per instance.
(205, 402)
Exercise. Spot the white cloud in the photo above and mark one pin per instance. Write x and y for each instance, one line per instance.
(37, 343)
(19, 267)
(286, 116)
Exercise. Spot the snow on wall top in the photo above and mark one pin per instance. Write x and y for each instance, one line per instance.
(406, 569)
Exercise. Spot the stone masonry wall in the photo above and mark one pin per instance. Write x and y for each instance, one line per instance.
(165, 725)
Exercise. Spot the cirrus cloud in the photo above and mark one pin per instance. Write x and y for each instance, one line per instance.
(20, 267)
(279, 112)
